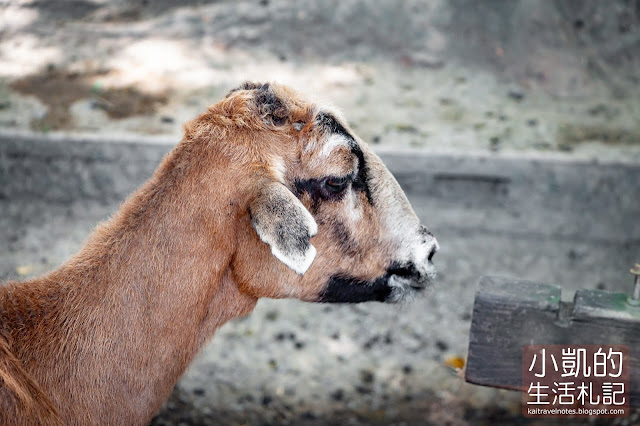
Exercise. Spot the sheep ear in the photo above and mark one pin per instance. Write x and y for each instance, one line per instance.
(285, 224)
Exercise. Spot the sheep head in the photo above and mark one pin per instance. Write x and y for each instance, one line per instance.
(321, 217)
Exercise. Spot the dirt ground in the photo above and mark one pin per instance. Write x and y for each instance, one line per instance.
(460, 75)
(519, 77)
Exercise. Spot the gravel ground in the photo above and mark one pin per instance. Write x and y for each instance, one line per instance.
(436, 75)
(513, 78)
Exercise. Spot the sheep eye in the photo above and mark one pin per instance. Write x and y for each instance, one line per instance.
(336, 184)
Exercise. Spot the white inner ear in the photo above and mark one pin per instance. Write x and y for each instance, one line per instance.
(293, 248)
(299, 262)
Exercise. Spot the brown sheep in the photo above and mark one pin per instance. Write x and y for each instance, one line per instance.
(267, 195)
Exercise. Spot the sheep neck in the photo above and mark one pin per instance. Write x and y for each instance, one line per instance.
(117, 325)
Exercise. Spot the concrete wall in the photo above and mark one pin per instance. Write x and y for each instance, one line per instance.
(551, 219)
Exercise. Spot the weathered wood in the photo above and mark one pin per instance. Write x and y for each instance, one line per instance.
(509, 314)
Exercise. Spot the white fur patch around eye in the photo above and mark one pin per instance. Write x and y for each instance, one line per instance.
(332, 143)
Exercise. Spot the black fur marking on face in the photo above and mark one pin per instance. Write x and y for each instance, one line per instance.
(404, 270)
(332, 125)
(351, 290)
(317, 190)
(361, 181)
(346, 243)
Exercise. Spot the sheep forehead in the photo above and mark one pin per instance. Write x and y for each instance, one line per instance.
(328, 149)
(331, 143)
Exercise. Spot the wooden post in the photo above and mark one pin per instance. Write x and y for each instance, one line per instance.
(509, 314)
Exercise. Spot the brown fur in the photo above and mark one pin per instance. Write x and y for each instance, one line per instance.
(103, 339)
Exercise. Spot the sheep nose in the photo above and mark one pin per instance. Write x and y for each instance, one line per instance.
(430, 241)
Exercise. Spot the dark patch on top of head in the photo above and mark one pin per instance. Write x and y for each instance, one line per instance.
(250, 85)
(269, 106)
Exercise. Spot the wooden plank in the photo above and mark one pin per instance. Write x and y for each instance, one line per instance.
(509, 314)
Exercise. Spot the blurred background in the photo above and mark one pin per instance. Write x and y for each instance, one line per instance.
(512, 125)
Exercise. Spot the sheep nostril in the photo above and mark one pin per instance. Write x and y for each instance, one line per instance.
(433, 251)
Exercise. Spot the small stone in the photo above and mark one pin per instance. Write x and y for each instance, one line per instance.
(369, 343)
(338, 395)
(516, 95)
(441, 345)
(271, 315)
(367, 376)
(542, 145)
(363, 390)
(426, 60)
(308, 415)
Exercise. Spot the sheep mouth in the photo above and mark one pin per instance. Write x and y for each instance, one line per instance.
(400, 282)
(411, 277)
(408, 272)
